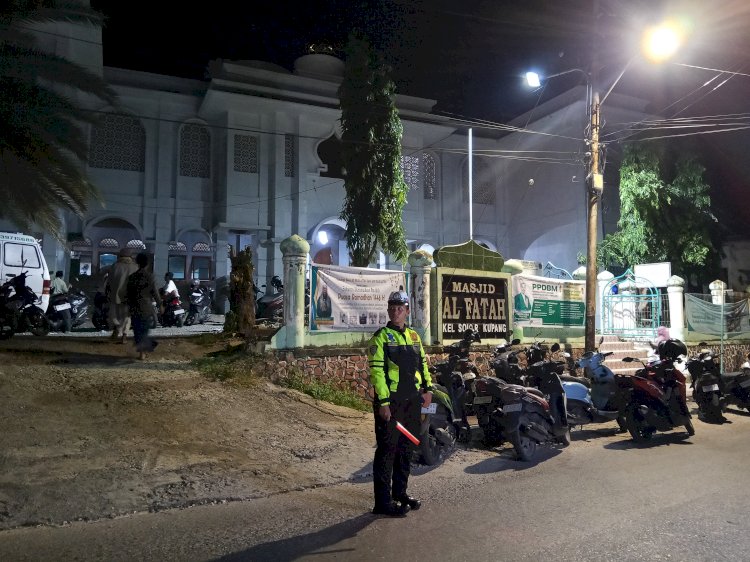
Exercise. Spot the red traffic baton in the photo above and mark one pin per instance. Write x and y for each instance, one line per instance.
(409, 435)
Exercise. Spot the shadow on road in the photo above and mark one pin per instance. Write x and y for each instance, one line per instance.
(587, 434)
(507, 460)
(317, 543)
(659, 439)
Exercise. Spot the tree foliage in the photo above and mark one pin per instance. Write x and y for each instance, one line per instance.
(371, 152)
(43, 144)
(661, 220)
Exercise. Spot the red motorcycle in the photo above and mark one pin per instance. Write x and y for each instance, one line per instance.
(656, 395)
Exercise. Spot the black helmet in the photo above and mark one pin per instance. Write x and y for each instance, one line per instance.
(671, 349)
(398, 297)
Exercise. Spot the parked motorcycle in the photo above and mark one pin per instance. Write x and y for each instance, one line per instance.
(504, 362)
(445, 420)
(523, 416)
(200, 304)
(706, 384)
(270, 307)
(657, 396)
(18, 310)
(67, 310)
(735, 387)
(596, 398)
(173, 314)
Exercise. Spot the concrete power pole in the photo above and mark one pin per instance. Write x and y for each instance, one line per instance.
(595, 188)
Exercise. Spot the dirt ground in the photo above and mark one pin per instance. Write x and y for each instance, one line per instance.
(89, 432)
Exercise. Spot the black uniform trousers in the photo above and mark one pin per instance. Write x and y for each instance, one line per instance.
(393, 451)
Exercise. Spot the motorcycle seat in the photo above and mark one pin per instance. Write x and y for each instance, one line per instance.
(532, 390)
(731, 376)
(570, 378)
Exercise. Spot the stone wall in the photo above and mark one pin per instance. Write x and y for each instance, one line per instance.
(347, 367)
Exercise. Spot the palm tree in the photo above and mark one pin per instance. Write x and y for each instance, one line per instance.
(43, 144)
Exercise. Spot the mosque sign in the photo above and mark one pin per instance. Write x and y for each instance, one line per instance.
(470, 299)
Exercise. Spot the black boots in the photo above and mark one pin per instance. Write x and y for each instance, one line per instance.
(413, 503)
(392, 509)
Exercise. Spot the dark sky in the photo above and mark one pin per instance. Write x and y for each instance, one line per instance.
(468, 55)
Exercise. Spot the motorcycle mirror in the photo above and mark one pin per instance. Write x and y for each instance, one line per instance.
(555, 347)
(628, 359)
(516, 341)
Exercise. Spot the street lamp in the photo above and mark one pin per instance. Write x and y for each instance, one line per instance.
(660, 43)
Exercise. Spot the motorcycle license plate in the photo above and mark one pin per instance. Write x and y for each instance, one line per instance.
(178, 311)
(59, 307)
(431, 409)
(508, 408)
(482, 400)
(745, 384)
(710, 388)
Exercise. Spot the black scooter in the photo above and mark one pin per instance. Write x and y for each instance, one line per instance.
(18, 310)
(706, 384)
(445, 420)
(523, 416)
(200, 304)
(67, 310)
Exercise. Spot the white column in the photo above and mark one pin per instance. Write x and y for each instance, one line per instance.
(420, 263)
(294, 250)
(675, 290)
(718, 288)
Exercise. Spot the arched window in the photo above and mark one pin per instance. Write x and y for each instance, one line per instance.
(108, 251)
(195, 151)
(136, 245)
(118, 142)
(429, 167)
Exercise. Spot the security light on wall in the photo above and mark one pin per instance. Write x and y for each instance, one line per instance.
(323, 237)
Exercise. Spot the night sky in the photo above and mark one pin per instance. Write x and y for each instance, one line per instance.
(470, 56)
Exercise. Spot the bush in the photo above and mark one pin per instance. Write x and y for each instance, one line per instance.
(326, 391)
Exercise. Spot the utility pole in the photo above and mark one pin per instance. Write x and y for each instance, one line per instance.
(595, 188)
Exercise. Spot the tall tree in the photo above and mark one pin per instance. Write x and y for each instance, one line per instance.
(371, 152)
(662, 220)
(43, 143)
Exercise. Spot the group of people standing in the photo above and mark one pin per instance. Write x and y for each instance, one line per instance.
(131, 292)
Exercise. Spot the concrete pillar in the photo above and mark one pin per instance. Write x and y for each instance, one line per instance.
(602, 280)
(420, 263)
(675, 290)
(294, 251)
(718, 290)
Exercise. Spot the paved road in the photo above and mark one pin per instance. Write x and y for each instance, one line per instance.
(603, 498)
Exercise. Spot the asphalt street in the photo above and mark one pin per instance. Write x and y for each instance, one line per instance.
(603, 498)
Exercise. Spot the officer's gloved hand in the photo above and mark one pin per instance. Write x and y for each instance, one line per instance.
(385, 413)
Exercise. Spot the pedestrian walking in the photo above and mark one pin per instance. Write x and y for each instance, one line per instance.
(141, 294)
(116, 292)
(402, 383)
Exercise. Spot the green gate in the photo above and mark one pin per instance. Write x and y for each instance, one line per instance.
(631, 307)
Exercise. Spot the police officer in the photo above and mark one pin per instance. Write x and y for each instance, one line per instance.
(402, 383)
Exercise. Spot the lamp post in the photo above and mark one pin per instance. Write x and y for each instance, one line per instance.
(659, 43)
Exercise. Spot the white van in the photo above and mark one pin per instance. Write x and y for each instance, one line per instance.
(19, 252)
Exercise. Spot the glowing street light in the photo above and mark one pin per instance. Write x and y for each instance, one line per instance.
(659, 44)
(663, 41)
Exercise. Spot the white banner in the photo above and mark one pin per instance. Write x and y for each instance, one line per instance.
(545, 301)
(352, 298)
